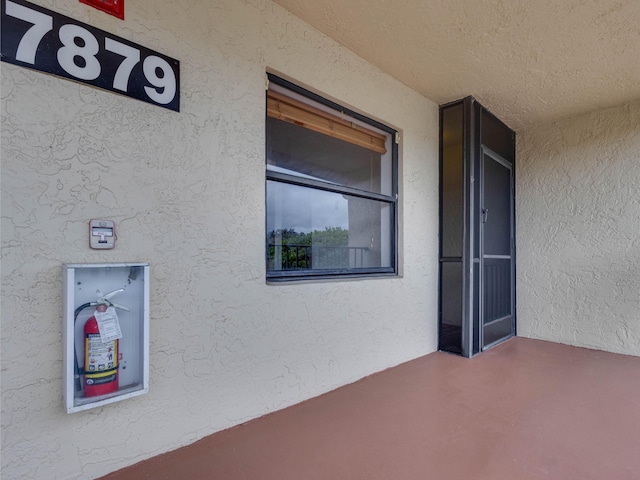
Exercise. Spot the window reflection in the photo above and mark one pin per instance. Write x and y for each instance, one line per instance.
(309, 228)
(303, 152)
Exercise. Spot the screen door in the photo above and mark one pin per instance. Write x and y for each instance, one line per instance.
(497, 255)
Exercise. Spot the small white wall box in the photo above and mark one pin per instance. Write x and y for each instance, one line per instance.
(102, 234)
(105, 333)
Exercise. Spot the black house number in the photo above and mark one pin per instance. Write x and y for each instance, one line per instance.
(37, 38)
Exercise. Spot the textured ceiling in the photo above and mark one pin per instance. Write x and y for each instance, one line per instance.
(528, 61)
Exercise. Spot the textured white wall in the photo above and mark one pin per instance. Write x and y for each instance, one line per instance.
(578, 231)
(186, 191)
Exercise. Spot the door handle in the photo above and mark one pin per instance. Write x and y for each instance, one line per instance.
(485, 215)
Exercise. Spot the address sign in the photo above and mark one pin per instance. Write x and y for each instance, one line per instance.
(37, 38)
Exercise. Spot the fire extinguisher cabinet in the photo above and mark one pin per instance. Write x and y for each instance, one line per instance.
(105, 333)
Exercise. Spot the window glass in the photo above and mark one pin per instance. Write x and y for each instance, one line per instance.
(316, 229)
(299, 151)
(330, 196)
(452, 187)
(497, 136)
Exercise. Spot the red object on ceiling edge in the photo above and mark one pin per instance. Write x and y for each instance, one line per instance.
(112, 7)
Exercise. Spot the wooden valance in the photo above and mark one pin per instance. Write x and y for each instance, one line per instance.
(294, 111)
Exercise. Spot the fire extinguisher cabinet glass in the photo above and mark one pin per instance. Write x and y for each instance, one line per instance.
(106, 333)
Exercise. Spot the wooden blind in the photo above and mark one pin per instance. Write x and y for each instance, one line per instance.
(293, 111)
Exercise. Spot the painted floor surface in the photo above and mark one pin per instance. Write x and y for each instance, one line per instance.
(527, 409)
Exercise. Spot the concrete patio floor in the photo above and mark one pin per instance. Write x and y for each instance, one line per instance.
(527, 409)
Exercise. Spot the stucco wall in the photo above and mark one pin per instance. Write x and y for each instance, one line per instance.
(186, 191)
(578, 231)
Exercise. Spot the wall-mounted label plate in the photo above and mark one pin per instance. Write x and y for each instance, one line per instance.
(113, 7)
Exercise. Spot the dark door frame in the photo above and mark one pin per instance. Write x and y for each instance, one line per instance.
(474, 139)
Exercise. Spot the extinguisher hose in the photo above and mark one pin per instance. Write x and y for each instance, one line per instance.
(78, 371)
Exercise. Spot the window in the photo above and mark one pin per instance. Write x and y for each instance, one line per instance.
(331, 178)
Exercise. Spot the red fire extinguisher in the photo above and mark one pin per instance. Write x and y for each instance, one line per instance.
(100, 371)
(100, 359)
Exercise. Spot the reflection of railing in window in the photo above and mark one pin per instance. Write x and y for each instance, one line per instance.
(296, 257)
